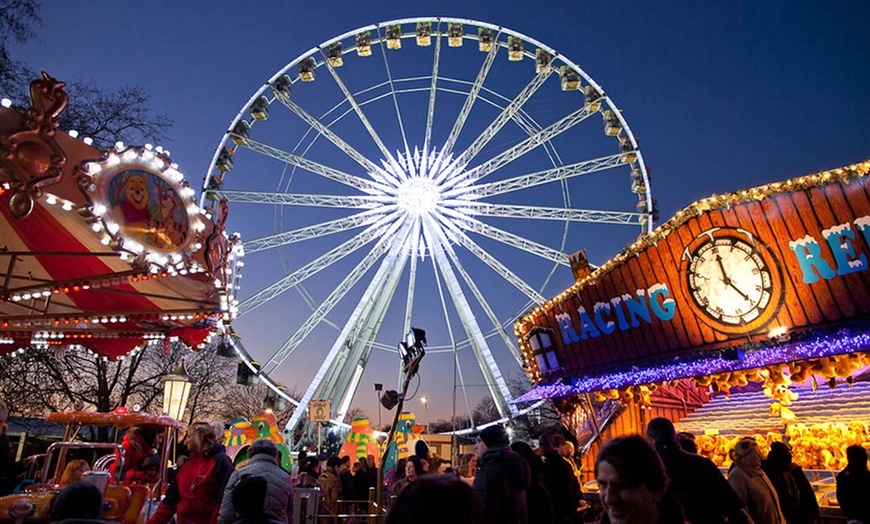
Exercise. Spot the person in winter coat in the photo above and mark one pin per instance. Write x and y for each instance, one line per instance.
(502, 478)
(560, 480)
(346, 477)
(705, 495)
(752, 485)
(853, 485)
(194, 496)
(248, 501)
(538, 502)
(413, 471)
(796, 497)
(138, 443)
(263, 462)
(330, 485)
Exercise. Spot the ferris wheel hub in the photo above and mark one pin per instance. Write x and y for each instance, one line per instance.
(418, 195)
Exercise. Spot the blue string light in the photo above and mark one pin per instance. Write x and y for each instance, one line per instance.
(755, 356)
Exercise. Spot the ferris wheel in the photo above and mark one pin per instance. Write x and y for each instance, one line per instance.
(431, 171)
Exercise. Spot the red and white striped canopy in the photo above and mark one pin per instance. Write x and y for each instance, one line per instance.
(103, 249)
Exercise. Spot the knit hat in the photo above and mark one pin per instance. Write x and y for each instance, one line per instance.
(495, 436)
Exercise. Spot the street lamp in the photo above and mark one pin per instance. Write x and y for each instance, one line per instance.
(176, 388)
(425, 401)
(378, 389)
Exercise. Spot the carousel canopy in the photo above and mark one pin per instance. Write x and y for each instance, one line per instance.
(105, 249)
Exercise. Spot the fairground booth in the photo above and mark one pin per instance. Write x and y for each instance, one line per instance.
(103, 249)
(744, 314)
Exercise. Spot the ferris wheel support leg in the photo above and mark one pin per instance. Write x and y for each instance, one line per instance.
(495, 382)
(392, 255)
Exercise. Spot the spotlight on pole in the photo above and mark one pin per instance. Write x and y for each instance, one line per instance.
(389, 399)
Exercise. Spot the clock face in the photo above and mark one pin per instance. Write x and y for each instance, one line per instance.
(733, 283)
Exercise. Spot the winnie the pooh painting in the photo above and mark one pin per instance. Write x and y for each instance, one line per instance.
(133, 201)
(148, 209)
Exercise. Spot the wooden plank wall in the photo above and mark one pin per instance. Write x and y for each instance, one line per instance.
(776, 221)
(671, 402)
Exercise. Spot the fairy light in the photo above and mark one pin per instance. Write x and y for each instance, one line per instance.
(814, 346)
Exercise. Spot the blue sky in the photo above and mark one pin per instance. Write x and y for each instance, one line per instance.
(722, 96)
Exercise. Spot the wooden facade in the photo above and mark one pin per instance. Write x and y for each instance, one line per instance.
(725, 271)
(672, 402)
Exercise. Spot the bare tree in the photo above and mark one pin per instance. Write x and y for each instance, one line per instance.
(246, 401)
(353, 413)
(66, 378)
(124, 115)
(75, 377)
(485, 411)
(107, 117)
(19, 20)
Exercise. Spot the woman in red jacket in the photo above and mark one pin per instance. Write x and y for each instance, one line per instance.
(195, 494)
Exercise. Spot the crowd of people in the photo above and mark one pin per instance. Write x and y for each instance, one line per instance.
(652, 479)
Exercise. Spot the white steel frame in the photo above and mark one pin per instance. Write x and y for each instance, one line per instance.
(397, 238)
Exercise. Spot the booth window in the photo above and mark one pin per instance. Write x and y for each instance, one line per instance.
(541, 341)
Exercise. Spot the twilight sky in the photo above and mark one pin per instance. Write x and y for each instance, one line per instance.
(722, 96)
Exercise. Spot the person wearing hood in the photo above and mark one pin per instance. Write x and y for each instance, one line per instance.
(263, 462)
(502, 478)
(194, 497)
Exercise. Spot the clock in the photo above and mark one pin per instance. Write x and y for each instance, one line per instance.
(734, 281)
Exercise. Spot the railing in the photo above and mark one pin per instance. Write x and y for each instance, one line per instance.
(307, 509)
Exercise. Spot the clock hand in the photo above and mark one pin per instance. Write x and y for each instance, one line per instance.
(725, 278)
(727, 281)
(737, 289)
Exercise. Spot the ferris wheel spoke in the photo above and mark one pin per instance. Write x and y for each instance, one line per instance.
(430, 112)
(354, 221)
(339, 370)
(527, 145)
(551, 213)
(365, 185)
(501, 395)
(503, 118)
(294, 199)
(393, 91)
(330, 257)
(382, 210)
(374, 171)
(542, 177)
(454, 234)
(397, 230)
(511, 344)
(357, 109)
(470, 99)
(513, 240)
(453, 343)
(415, 248)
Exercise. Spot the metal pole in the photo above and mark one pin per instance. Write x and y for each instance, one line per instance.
(454, 448)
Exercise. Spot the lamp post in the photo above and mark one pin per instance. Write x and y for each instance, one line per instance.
(378, 389)
(176, 389)
(425, 401)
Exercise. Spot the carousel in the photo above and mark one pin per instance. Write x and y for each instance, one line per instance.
(104, 249)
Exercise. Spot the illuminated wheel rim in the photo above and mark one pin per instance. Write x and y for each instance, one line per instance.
(445, 163)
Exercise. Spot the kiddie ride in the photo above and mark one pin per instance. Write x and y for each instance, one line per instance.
(243, 432)
(123, 502)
